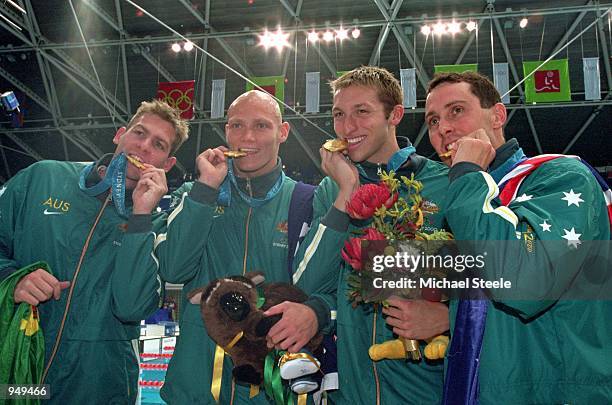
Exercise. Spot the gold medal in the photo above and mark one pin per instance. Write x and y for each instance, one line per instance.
(335, 145)
(135, 161)
(235, 153)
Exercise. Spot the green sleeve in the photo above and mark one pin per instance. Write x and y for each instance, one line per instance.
(180, 248)
(559, 199)
(318, 259)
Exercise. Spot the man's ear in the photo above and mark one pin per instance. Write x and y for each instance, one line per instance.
(118, 135)
(500, 115)
(169, 163)
(397, 113)
(284, 132)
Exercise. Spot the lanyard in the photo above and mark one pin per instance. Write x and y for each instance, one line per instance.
(225, 191)
(113, 179)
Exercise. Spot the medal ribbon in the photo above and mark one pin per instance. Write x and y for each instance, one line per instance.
(113, 179)
(225, 190)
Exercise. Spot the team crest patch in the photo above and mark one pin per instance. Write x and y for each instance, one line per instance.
(283, 227)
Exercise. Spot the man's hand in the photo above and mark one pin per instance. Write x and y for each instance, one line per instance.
(212, 166)
(151, 187)
(38, 286)
(475, 148)
(297, 326)
(416, 319)
(343, 172)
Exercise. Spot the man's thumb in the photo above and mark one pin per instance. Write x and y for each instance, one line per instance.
(64, 284)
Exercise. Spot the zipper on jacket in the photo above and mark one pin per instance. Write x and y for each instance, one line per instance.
(246, 229)
(244, 260)
(248, 187)
(71, 289)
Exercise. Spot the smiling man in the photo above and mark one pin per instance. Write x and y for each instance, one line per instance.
(367, 108)
(66, 215)
(233, 220)
(527, 349)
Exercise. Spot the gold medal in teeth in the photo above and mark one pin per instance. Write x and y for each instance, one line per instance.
(235, 153)
(335, 145)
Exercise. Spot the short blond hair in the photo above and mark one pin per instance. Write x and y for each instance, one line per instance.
(387, 86)
(167, 113)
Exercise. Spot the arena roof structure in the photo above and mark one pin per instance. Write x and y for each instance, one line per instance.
(80, 68)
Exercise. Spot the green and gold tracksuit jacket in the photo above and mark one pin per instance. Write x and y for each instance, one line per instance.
(44, 216)
(361, 381)
(538, 351)
(204, 242)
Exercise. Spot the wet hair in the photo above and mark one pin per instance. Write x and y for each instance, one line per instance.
(387, 86)
(167, 113)
(480, 86)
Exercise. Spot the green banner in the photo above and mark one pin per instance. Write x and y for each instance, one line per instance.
(550, 83)
(275, 85)
(467, 67)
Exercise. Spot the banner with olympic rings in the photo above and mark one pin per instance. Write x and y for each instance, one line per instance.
(178, 95)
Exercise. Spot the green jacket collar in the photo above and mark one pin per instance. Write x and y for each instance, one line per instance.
(262, 184)
(414, 165)
(504, 153)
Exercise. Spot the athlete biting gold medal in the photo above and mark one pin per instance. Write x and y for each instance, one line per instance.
(335, 145)
(135, 160)
(235, 153)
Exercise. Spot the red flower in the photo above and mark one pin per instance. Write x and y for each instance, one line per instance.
(352, 252)
(352, 247)
(373, 234)
(367, 199)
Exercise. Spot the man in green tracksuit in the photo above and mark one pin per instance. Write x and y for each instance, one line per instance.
(90, 308)
(526, 350)
(233, 220)
(367, 109)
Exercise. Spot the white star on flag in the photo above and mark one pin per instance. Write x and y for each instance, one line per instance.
(572, 198)
(573, 238)
(545, 226)
(523, 198)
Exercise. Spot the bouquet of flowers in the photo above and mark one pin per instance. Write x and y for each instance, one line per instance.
(392, 219)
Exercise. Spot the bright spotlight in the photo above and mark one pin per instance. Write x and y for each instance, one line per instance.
(439, 28)
(188, 46)
(313, 36)
(425, 30)
(341, 34)
(523, 23)
(328, 36)
(470, 26)
(454, 28)
(265, 40)
(176, 47)
(355, 33)
(280, 40)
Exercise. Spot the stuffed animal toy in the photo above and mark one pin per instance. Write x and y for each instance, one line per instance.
(232, 309)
